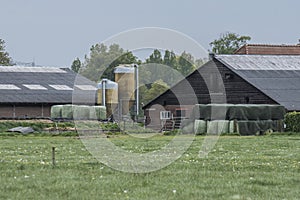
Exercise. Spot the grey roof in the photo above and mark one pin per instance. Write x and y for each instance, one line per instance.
(124, 69)
(43, 85)
(109, 84)
(276, 76)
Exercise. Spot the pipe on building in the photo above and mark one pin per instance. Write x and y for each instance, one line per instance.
(136, 89)
(103, 82)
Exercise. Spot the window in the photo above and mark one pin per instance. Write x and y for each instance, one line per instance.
(34, 87)
(8, 87)
(61, 87)
(165, 115)
(86, 87)
(228, 76)
(247, 100)
(180, 112)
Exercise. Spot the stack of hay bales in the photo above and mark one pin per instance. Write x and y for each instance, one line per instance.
(245, 119)
(97, 112)
(78, 112)
(56, 111)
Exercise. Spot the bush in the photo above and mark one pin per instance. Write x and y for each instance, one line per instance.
(174, 132)
(292, 121)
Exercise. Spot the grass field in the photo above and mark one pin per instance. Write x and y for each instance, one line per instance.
(256, 167)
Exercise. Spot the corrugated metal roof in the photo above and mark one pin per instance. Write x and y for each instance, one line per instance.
(31, 69)
(276, 76)
(44, 78)
(261, 62)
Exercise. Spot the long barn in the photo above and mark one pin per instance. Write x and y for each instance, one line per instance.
(29, 92)
(247, 79)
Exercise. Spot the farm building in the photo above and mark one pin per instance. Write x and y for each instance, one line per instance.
(248, 79)
(268, 49)
(29, 92)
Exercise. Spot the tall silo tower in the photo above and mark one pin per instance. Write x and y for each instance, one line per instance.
(124, 76)
(110, 99)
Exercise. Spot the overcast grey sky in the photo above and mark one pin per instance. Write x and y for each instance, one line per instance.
(55, 32)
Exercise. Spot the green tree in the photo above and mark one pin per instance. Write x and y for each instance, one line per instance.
(102, 61)
(157, 88)
(4, 56)
(228, 43)
(170, 59)
(76, 65)
(155, 57)
(186, 63)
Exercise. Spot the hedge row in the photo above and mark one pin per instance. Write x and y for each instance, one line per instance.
(81, 112)
(292, 121)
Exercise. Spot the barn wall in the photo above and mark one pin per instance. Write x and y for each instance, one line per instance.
(24, 111)
(238, 90)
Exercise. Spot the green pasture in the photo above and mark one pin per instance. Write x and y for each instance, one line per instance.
(238, 167)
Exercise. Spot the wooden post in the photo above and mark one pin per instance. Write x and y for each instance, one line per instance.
(53, 156)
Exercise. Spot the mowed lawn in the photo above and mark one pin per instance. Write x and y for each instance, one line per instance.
(255, 167)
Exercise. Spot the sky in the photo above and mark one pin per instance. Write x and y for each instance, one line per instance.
(55, 32)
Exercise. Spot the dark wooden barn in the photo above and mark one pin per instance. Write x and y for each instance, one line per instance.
(234, 79)
(29, 92)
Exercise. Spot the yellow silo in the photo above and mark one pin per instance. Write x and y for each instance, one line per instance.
(124, 76)
(111, 95)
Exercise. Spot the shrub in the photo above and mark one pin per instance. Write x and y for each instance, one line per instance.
(292, 121)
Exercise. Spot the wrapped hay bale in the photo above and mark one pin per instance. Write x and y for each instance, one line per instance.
(81, 112)
(67, 111)
(256, 127)
(97, 113)
(200, 127)
(56, 111)
(218, 126)
(187, 126)
(231, 127)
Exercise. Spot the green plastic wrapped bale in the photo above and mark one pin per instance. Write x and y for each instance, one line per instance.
(200, 127)
(67, 111)
(188, 127)
(56, 112)
(231, 128)
(210, 111)
(81, 112)
(97, 112)
(238, 112)
(217, 126)
(256, 127)
(256, 112)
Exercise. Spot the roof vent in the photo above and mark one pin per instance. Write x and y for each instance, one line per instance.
(211, 56)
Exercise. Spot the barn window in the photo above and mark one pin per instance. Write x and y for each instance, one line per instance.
(247, 99)
(165, 115)
(228, 76)
(86, 87)
(34, 87)
(180, 112)
(9, 87)
(61, 87)
(164, 103)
